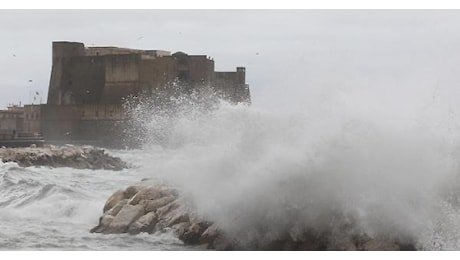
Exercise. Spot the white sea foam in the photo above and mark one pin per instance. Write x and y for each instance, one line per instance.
(54, 209)
(260, 174)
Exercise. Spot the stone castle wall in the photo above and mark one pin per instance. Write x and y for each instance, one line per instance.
(88, 85)
(107, 74)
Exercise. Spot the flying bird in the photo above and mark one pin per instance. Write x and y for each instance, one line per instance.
(140, 38)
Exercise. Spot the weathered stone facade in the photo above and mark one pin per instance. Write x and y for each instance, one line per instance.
(88, 86)
(11, 120)
(104, 75)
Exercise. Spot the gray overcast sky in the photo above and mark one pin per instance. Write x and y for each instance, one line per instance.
(397, 59)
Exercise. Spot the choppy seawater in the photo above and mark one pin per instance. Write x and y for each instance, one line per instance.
(258, 175)
(54, 209)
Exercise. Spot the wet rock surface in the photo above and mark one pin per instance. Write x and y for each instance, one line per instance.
(153, 207)
(85, 157)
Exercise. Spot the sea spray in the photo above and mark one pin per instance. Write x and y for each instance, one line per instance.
(260, 175)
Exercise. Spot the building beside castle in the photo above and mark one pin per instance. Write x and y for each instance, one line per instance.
(88, 86)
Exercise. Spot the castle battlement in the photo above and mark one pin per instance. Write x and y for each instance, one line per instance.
(104, 75)
(88, 85)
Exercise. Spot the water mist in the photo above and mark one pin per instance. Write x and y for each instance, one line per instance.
(261, 175)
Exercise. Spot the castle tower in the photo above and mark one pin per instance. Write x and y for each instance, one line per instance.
(62, 53)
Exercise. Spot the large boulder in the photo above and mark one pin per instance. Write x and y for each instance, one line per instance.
(127, 215)
(148, 193)
(155, 207)
(150, 207)
(104, 222)
(116, 209)
(180, 229)
(113, 200)
(146, 223)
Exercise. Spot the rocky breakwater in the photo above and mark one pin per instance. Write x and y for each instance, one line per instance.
(154, 207)
(151, 207)
(85, 157)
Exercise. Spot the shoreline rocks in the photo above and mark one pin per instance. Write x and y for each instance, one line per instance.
(85, 157)
(153, 207)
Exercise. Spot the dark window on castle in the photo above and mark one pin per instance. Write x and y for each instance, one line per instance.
(83, 113)
(97, 113)
(70, 83)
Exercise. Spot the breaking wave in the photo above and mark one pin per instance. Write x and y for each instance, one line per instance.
(261, 174)
(54, 209)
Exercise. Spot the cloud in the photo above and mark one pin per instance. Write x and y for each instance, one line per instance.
(292, 56)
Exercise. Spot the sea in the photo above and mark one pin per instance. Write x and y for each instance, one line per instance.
(53, 209)
(257, 174)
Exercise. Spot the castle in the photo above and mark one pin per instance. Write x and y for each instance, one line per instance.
(104, 75)
(88, 86)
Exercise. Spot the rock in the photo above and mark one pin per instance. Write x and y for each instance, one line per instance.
(210, 234)
(104, 222)
(276, 245)
(380, 245)
(127, 215)
(175, 216)
(150, 193)
(162, 211)
(168, 192)
(222, 243)
(153, 205)
(193, 234)
(66, 156)
(116, 209)
(180, 229)
(407, 246)
(113, 200)
(344, 246)
(145, 223)
(289, 245)
(131, 191)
